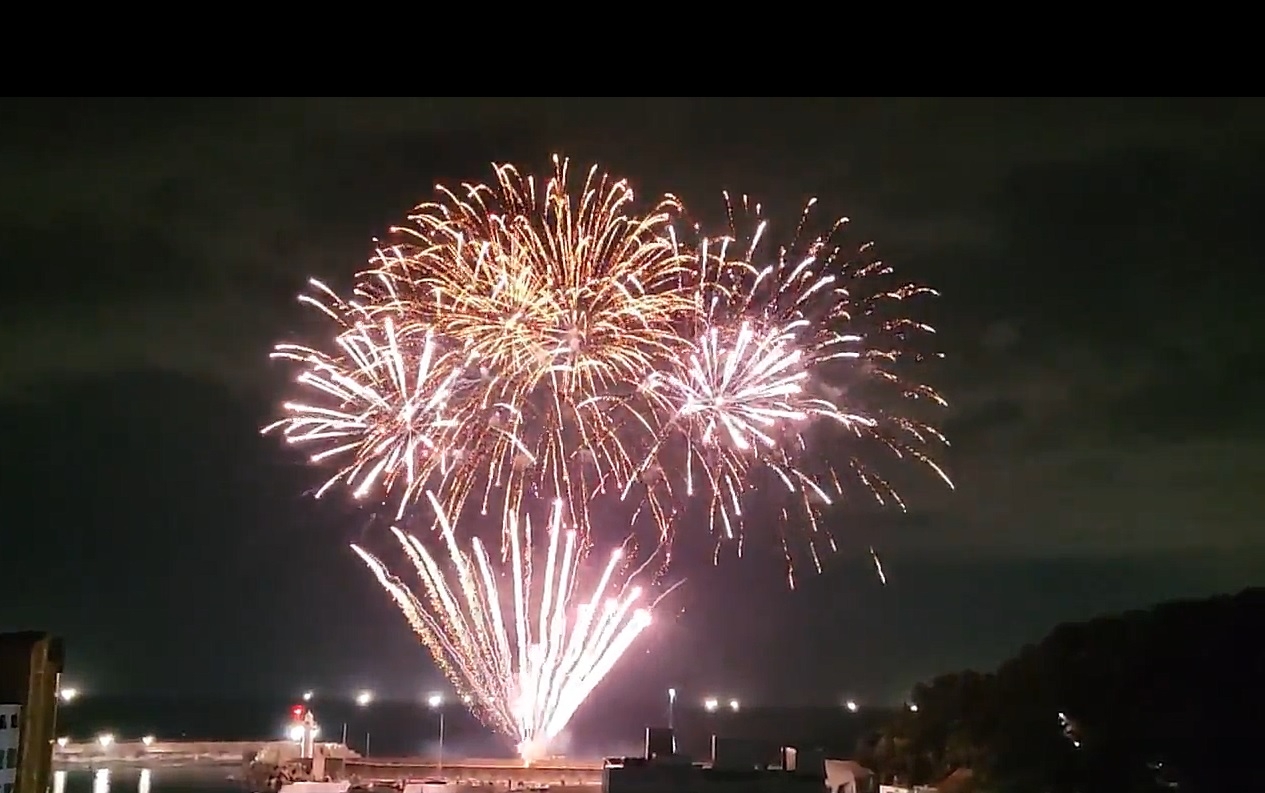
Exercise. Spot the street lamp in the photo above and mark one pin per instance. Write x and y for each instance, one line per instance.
(68, 695)
(106, 739)
(671, 708)
(62, 741)
(711, 704)
(436, 703)
(913, 707)
(363, 698)
(307, 696)
(851, 705)
(148, 740)
(734, 705)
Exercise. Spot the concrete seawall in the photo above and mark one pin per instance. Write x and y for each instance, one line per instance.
(489, 771)
(504, 773)
(156, 753)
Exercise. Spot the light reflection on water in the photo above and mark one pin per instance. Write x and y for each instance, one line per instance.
(144, 780)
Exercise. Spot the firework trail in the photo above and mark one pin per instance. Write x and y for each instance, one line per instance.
(788, 344)
(524, 656)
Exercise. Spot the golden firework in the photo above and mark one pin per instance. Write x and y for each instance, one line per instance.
(554, 304)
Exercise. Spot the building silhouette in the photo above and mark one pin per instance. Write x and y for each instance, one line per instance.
(30, 667)
(10, 733)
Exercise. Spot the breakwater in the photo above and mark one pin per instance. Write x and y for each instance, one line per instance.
(500, 773)
(157, 753)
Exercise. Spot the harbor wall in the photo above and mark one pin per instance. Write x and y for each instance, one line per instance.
(157, 752)
(506, 773)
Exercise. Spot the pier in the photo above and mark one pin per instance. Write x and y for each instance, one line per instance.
(341, 763)
(159, 752)
(494, 772)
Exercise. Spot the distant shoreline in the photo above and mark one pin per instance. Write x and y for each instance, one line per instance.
(155, 754)
(140, 763)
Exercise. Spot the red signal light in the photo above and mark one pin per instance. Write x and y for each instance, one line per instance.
(297, 711)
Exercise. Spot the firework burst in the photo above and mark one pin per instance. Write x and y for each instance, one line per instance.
(524, 652)
(553, 305)
(791, 344)
(525, 339)
(387, 395)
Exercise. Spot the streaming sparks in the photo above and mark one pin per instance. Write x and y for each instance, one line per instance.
(526, 651)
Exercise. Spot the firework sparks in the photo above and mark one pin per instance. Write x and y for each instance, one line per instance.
(878, 566)
(387, 394)
(789, 338)
(525, 338)
(551, 305)
(527, 656)
(564, 300)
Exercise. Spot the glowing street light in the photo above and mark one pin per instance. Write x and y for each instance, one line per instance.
(711, 704)
(68, 695)
(436, 702)
(106, 739)
(913, 707)
(734, 705)
(307, 696)
(296, 733)
(363, 698)
(148, 740)
(62, 741)
(851, 705)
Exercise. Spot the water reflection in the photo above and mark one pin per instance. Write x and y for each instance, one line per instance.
(144, 780)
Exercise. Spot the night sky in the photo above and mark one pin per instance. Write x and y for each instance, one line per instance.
(1100, 263)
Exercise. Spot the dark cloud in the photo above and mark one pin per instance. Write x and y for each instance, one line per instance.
(1098, 263)
(1096, 256)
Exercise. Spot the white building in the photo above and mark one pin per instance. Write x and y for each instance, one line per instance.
(849, 776)
(10, 732)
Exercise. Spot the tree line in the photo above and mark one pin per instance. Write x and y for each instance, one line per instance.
(1170, 698)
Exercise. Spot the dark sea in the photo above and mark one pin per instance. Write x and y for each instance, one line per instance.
(176, 780)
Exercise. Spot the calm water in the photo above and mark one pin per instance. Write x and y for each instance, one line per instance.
(160, 780)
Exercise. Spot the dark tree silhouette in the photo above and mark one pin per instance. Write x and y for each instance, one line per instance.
(1165, 699)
